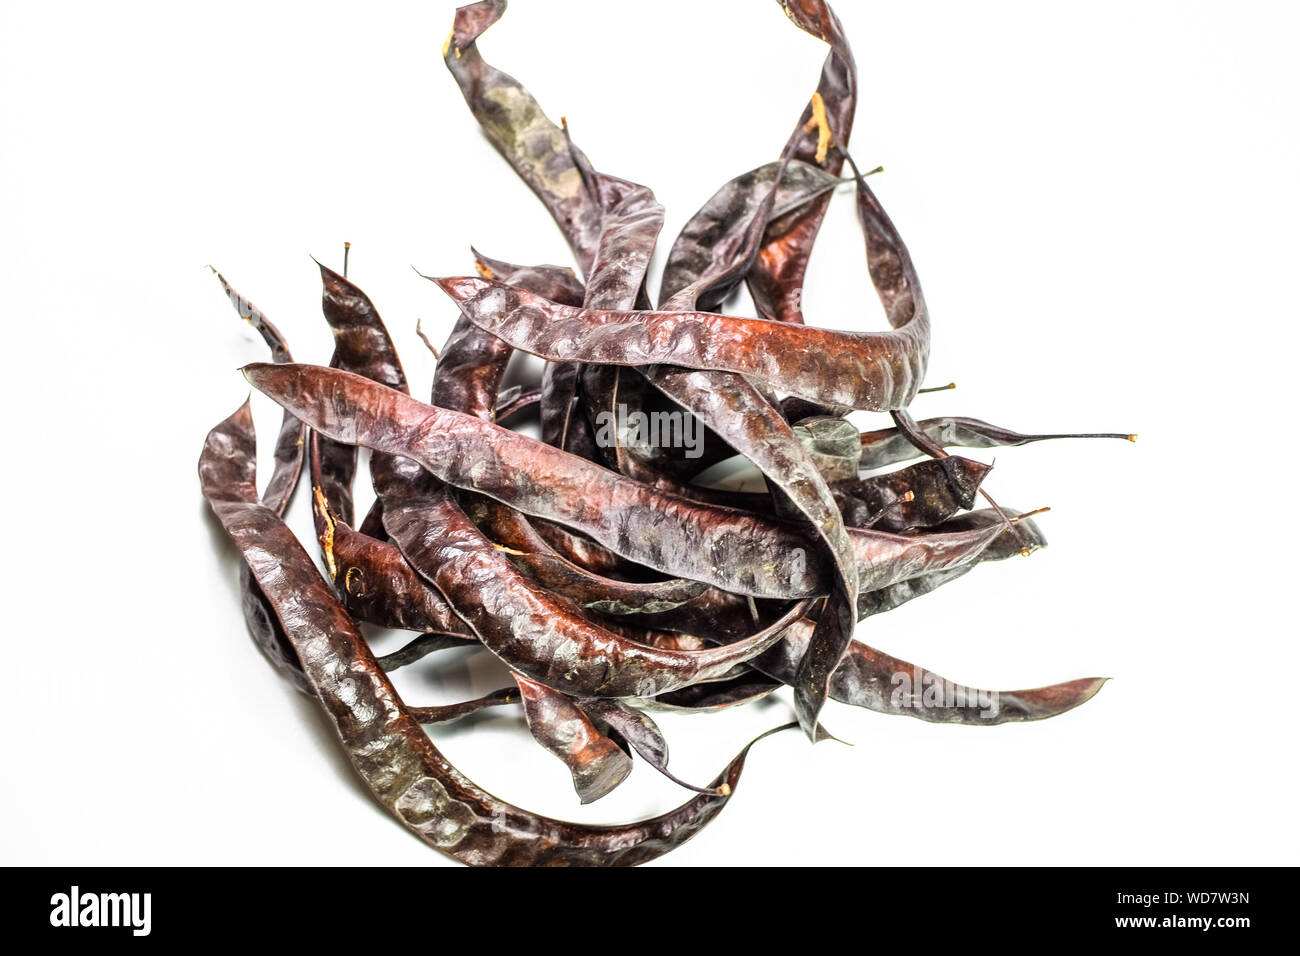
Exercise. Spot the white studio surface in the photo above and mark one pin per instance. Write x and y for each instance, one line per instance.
(1101, 204)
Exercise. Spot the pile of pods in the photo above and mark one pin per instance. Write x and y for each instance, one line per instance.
(594, 562)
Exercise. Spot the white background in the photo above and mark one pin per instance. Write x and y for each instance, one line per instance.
(1101, 200)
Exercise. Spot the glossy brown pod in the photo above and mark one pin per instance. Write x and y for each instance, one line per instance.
(537, 634)
(289, 449)
(596, 763)
(889, 446)
(876, 371)
(406, 773)
(821, 133)
(594, 563)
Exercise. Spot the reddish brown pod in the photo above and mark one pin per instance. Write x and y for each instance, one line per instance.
(591, 562)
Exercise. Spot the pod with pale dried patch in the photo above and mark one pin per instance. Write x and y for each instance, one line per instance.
(514, 123)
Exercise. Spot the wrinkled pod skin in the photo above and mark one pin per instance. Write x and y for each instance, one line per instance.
(732, 549)
(406, 773)
(777, 279)
(467, 380)
(372, 578)
(534, 632)
(872, 679)
(289, 447)
(596, 763)
(629, 223)
(875, 371)
(736, 550)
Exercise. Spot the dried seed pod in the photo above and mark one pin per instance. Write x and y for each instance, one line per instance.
(872, 679)
(637, 731)
(605, 595)
(514, 123)
(874, 371)
(383, 740)
(373, 579)
(707, 698)
(289, 445)
(709, 242)
(722, 546)
(420, 648)
(889, 446)
(537, 634)
(597, 764)
(833, 445)
(472, 363)
(938, 489)
(593, 563)
(776, 282)
(1003, 546)
(447, 713)
(467, 380)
